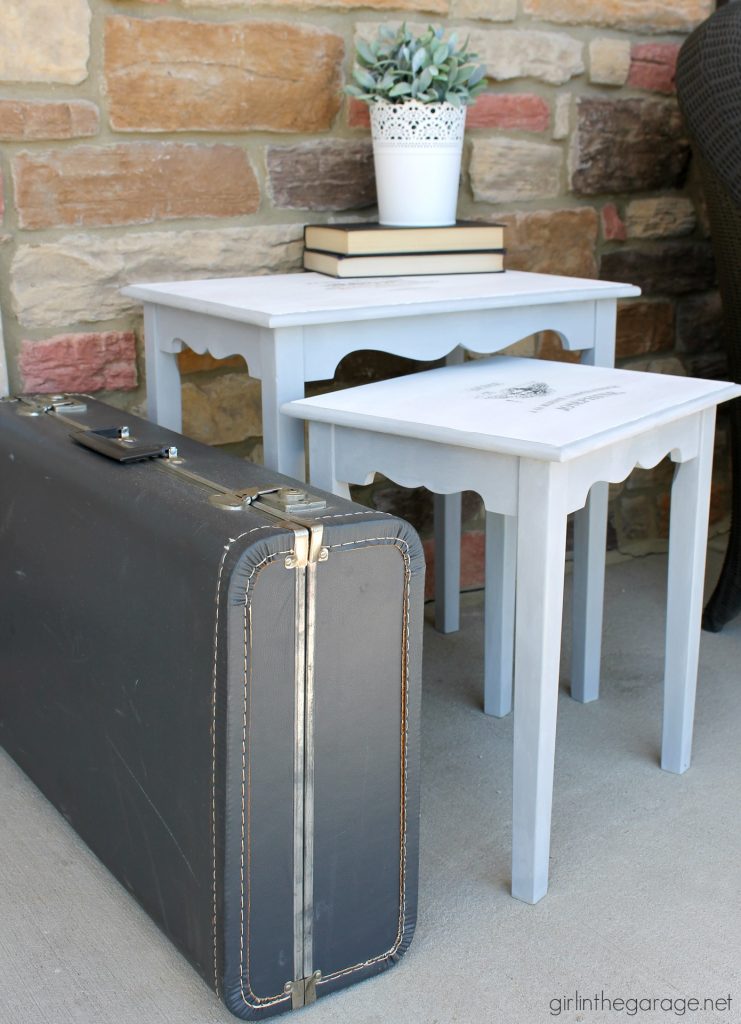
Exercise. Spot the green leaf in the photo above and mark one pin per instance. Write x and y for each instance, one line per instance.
(364, 78)
(365, 54)
(425, 79)
(476, 75)
(420, 59)
(353, 90)
(401, 89)
(453, 99)
(441, 54)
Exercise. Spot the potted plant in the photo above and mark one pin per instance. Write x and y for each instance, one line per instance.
(417, 88)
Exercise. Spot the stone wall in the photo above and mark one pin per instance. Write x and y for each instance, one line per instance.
(165, 139)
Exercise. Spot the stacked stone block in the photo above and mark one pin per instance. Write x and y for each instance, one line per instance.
(171, 139)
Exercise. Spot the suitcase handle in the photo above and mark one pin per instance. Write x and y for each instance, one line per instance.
(117, 443)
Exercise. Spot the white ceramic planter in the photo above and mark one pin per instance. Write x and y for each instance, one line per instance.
(417, 151)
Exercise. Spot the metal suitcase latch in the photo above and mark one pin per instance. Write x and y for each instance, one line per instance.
(303, 991)
(117, 443)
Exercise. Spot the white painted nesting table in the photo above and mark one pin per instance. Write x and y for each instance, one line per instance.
(294, 328)
(532, 437)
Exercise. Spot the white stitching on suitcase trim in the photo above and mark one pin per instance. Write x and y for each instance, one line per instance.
(397, 543)
(227, 548)
(346, 515)
(264, 1002)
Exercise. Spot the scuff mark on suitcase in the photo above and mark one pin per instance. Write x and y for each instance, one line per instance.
(151, 803)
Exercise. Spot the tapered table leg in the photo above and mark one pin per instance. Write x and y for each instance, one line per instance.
(541, 544)
(164, 404)
(590, 542)
(499, 613)
(688, 537)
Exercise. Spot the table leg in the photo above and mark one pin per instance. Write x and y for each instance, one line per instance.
(499, 613)
(282, 372)
(541, 544)
(164, 403)
(688, 537)
(321, 460)
(447, 511)
(590, 543)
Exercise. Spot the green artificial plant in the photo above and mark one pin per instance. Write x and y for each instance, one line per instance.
(398, 66)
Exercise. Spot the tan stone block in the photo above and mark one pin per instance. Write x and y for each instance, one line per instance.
(550, 347)
(223, 410)
(562, 116)
(641, 15)
(662, 217)
(609, 61)
(194, 362)
(524, 347)
(44, 41)
(132, 183)
(25, 120)
(484, 10)
(170, 74)
(512, 170)
(77, 278)
(552, 57)
(552, 241)
(433, 6)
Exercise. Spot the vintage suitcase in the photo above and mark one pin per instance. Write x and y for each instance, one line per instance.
(215, 677)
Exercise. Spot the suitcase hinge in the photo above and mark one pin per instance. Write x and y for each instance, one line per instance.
(303, 991)
(285, 500)
(283, 503)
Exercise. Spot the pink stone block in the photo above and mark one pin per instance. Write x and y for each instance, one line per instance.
(613, 228)
(473, 546)
(518, 111)
(653, 67)
(515, 111)
(357, 114)
(104, 361)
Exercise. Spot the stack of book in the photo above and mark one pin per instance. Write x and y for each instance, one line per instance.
(374, 250)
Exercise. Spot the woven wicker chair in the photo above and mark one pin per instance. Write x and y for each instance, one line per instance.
(709, 91)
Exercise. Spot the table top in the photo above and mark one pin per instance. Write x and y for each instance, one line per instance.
(286, 300)
(527, 407)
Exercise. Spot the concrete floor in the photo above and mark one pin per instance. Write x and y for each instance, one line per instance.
(645, 897)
